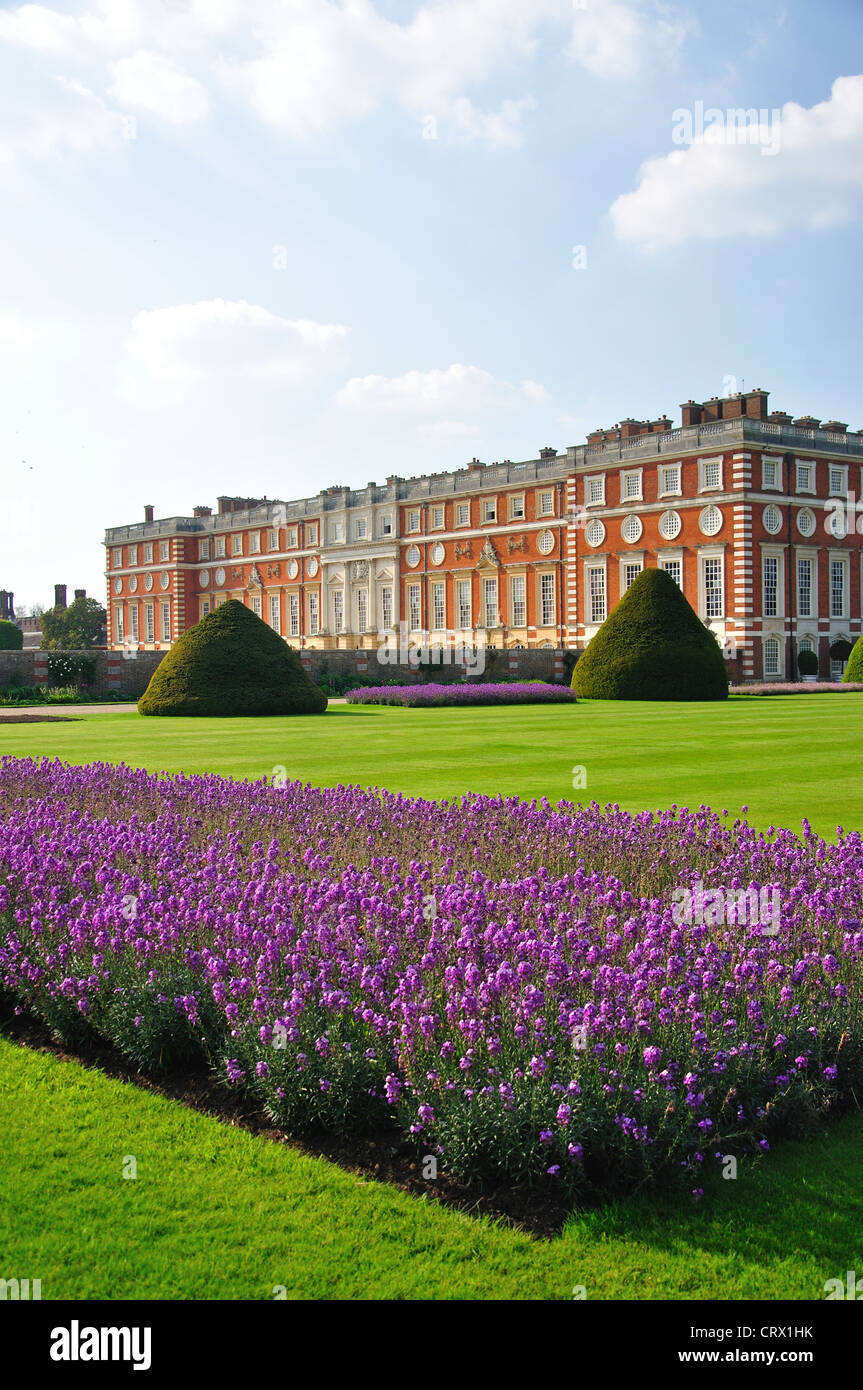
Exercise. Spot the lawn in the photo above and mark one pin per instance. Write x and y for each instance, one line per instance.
(783, 757)
(215, 1213)
(218, 1213)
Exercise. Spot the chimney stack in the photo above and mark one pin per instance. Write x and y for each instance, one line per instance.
(148, 513)
(80, 593)
(7, 607)
(59, 595)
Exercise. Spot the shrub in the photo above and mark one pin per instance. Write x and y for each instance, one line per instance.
(231, 663)
(68, 669)
(11, 636)
(652, 647)
(61, 695)
(807, 663)
(854, 670)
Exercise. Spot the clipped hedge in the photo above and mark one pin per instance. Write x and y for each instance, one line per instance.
(853, 672)
(807, 663)
(11, 636)
(231, 663)
(653, 646)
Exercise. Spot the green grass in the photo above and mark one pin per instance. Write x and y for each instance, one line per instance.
(783, 757)
(217, 1213)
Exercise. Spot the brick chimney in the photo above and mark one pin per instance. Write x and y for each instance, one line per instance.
(806, 422)
(80, 593)
(690, 413)
(148, 513)
(835, 427)
(7, 607)
(756, 404)
(547, 453)
(59, 595)
(780, 417)
(733, 407)
(202, 511)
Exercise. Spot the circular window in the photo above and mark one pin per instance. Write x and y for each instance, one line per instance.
(669, 525)
(293, 569)
(413, 556)
(438, 554)
(772, 518)
(164, 579)
(118, 586)
(148, 582)
(133, 583)
(806, 522)
(632, 528)
(594, 532)
(546, 543)
(220, 577)
(311, 568)
(710, 521)
(204, 578)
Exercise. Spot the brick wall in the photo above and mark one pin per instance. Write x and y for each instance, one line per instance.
(130, 676)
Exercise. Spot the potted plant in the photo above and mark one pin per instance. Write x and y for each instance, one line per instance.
(807, 665)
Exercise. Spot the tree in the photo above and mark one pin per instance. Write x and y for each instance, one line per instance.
(11, 636)
(75, 628)
(854, 670)
(652, 647)
(231, 663)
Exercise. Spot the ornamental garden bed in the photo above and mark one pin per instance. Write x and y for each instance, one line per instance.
(796, 688)
(487, 693)
(577, 998)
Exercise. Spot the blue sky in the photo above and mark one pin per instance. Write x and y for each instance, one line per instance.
(263, 246)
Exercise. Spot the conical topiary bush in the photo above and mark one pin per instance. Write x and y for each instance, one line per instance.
(231, 663)
(854, 670)
(652, 647)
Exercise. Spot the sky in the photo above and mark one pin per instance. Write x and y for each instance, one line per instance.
(260, 247)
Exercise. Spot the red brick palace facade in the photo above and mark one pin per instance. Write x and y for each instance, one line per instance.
(753, 513)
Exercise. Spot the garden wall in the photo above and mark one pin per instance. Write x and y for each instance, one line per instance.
(129, 675)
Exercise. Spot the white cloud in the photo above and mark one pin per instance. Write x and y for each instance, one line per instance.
(805, 169)
(500, 128)
(454, 388)
(173, 348)
(36, 26)
(74, 120)
(149, 82)
(616, 39)
(306, 67)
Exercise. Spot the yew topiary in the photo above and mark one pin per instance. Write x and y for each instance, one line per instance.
(653, 646)
(231, 663)
(854, 670)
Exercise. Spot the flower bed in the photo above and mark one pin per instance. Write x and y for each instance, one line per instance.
(424, 696)
(795, 688)
(525, 991)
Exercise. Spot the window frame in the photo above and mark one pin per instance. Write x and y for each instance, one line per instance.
(661, 489)
(626, 474)
(541, 577)
(594, 479)
(775, 462)
(714, 461)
